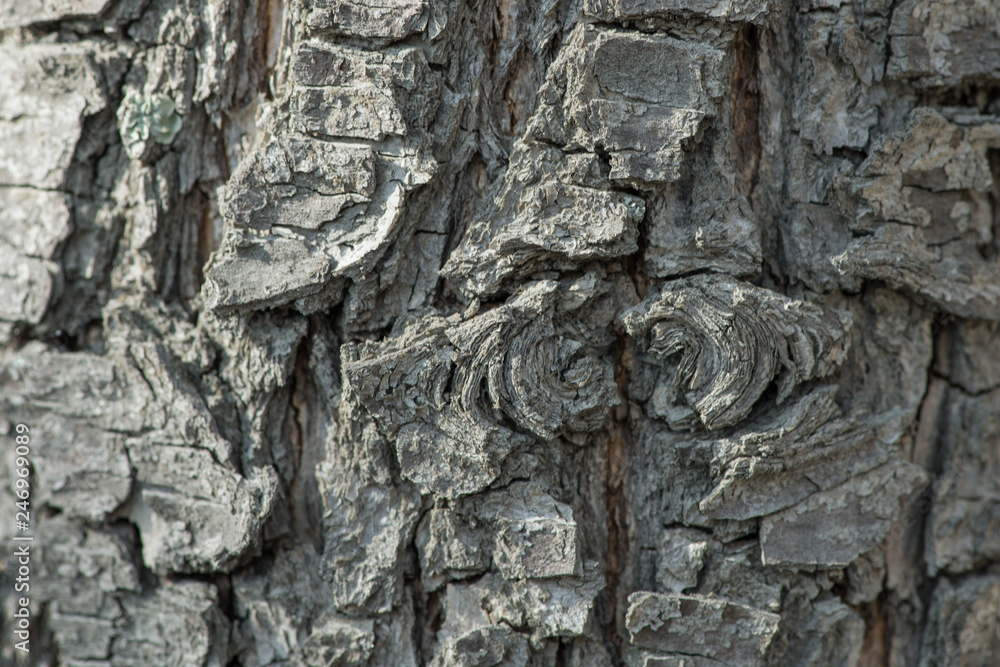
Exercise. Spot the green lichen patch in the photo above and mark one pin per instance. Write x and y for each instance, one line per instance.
(143, 118)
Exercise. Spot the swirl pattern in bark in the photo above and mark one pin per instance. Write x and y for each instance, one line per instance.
(733, 339)
(457, 396)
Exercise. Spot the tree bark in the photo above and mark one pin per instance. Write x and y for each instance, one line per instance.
(580, 333)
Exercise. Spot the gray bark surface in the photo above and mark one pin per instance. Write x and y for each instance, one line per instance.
(569, 333)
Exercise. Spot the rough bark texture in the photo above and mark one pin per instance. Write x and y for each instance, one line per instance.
(580, 333)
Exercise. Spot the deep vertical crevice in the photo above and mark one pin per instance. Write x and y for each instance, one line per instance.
(618, 442)
(304, 446)
(209, 233)
(991, 249)
(196, 245)
(273, 26)
(875, 648)
(470, 185)
(412, 579)
(745, 107)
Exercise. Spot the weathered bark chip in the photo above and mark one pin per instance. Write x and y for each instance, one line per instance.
(591, 333)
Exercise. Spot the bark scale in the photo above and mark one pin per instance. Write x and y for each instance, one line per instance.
(519, 332)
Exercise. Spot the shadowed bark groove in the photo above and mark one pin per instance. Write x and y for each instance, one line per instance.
(745, 101)
(513, 333)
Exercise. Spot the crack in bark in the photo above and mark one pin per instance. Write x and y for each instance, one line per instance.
(745, 107)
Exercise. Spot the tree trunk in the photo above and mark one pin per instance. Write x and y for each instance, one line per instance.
(579, 333)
